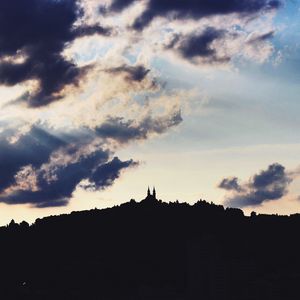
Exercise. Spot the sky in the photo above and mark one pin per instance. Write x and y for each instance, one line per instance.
(102, 98)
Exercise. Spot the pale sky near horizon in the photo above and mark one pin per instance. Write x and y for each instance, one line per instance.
(201, 102)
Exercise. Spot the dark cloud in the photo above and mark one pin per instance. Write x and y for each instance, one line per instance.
(133, 73)
(230, 184)
(43, 167)
(125, 131)
(33, 149)
(274, 174)
(58, 190)
(199, 45)
(39, 31)
(49, 183)
(193, 9)
(91, 30)
(106, 174)
(119, 5)
(270, 184)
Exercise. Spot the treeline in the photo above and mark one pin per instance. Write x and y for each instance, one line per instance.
(152, 250)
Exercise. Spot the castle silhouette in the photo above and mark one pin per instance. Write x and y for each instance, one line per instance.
(151, 198)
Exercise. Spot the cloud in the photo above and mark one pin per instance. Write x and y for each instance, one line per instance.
(261, 37)
(57, 190)
(87, 30)
(270, 184)
(47, 49)
(119, 5)
(230, 184)
(193, 9)
(107, 173)
(220, 45)
(201, 32)
(33, 35)
(199, 45)
(133, 73)
(43, 167)
(32, 149)
(124, 131)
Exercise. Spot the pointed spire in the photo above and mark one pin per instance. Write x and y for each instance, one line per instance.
(148, 192)
(154, 193)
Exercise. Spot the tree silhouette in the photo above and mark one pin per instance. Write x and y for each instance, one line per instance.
(152, 250)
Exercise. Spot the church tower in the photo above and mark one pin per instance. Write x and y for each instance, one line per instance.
(151, 198)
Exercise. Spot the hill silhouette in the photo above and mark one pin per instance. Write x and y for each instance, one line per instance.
(152, 250)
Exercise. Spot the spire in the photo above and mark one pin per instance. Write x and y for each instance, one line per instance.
(148, 192)
(154, 193)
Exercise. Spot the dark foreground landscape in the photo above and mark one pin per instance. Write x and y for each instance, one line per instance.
(152, 250)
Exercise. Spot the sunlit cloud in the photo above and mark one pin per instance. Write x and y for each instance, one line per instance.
(75, 93)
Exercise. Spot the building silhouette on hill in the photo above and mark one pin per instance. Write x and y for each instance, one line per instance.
(151, 198)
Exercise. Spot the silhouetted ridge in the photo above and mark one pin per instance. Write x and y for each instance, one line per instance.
(152, 250)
